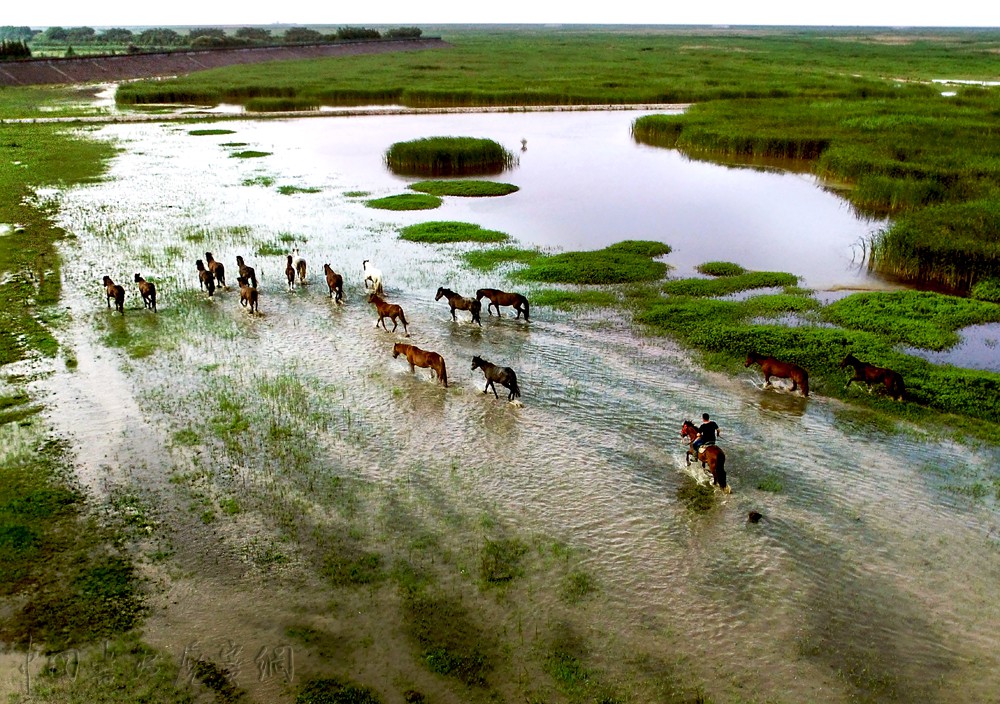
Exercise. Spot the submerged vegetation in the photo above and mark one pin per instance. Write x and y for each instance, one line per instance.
(448, 156)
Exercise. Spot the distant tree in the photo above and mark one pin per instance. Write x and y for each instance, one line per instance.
(404, 33)
(54, 34)
(298, 35)
(357, 33)
(12, 49)
(254, 34)
(17, 33)
(206, 32)
(70, 52)
(115, 36)
(159, 37)
(80, 35)
(214, 42)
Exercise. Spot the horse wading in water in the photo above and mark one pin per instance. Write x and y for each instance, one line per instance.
(770, 366)
(335, 282)
(116, 292)
(217, 268)
(711, 456)
(388, 310)
(473, 305)
(372, 276)
(504, 376)
(205, 278)
(249, 296)
(299, 265)
(147, 289)
(870, 374)
(422, 358)
(246, 271)
(502, 298)
(290, 273)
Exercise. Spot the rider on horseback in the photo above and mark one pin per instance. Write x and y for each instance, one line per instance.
(707, 433)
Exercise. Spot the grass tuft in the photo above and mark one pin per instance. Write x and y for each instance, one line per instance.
(441, 232)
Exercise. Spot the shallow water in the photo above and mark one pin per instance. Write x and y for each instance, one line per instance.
(872, 575)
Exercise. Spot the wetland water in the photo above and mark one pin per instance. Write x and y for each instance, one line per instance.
(871, 578)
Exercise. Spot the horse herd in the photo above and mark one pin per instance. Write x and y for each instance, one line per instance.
(212, 276)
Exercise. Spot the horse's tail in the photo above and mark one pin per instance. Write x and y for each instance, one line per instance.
(514, 388)
(898, 388)
(443, 373)
(477, 308)
(402, 318)
(805, 383)
(526, 306)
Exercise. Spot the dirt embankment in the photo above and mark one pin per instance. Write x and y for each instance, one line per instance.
(99, 69)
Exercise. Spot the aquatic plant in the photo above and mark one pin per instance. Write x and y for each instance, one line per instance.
(210, 131)
(405, 201)
(695, 496)
(249, 154)
(292, 190)
(444, 231)
(726, 285)
(720, 269)
(986, 290)
(488, 259)
(444, 156)
(566, 299)
(629, 261)
(465, 188)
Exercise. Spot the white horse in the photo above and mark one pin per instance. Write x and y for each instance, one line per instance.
(299, 265)
(373, 275)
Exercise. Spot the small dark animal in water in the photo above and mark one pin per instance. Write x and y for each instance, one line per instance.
(388, 310)
(870, 374)
(473, 305)
(205, 278)
(754, 517)
(502, 298)
(217, 269)
(249, 296)
(335, 282)
(246, 271)
(290, 273)
(116, 292)
(147, 289)
(505, 376)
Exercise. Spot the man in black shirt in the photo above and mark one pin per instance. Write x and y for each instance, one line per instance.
(707, 433)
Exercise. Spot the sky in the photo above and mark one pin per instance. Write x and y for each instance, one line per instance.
(854, 13)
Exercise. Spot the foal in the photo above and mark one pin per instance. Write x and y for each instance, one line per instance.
(147, 289)
(290, 273)
(422, 358)
(249, 296)
(116, 292)
(388, 310)
(504, 375)
(217, 269)
(335, 282)
(456, 301)
(205, 278)
(246, 271)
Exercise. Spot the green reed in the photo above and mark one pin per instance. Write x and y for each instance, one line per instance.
(442, 156)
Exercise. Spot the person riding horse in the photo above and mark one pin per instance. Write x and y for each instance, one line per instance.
(708, 431)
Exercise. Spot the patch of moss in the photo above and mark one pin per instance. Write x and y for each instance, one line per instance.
(405, 201)
(442, 232)
(466, 188)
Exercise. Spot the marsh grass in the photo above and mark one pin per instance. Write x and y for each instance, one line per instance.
(987, 290)
(489, 259)
(695, 496)
(249, 154)
(771, 483)
(629, 261)
(577, 586)
(448, 156)
(720, 269)
(405, 201)
(335, 690)
(729, 284)
(210, 131)
(500, 560)
(466, 188)
(442, 232)
(292, 190)
(564, 299)
(266, 181)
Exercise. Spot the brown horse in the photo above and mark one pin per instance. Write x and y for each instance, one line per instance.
(217, 268)
(147, 289)
(290, 273)
(116, 292)
(422, 358)
(502, 298)
(246, 271)
(473, 305)
(249, 296)
(870, 374)
(205, 278)
(770, 366)
(299, 264)
(388, 310)
(335, 282)
(505, 376)
(710, 456)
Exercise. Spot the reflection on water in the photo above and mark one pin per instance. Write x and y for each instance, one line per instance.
(868, 580)
(978, 349)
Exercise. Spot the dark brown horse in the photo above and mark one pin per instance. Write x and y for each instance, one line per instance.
(335, 282)
(217, 269)
(249, 296)
(505, 376)
(422, 358)
(473, 305)
(116, 292)
(388, 310)
(770, 366)
(502, 298)
(870, 374)
(711, 456)
(246, 271)
(290, 273)
(205, 278)
(147, 289)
